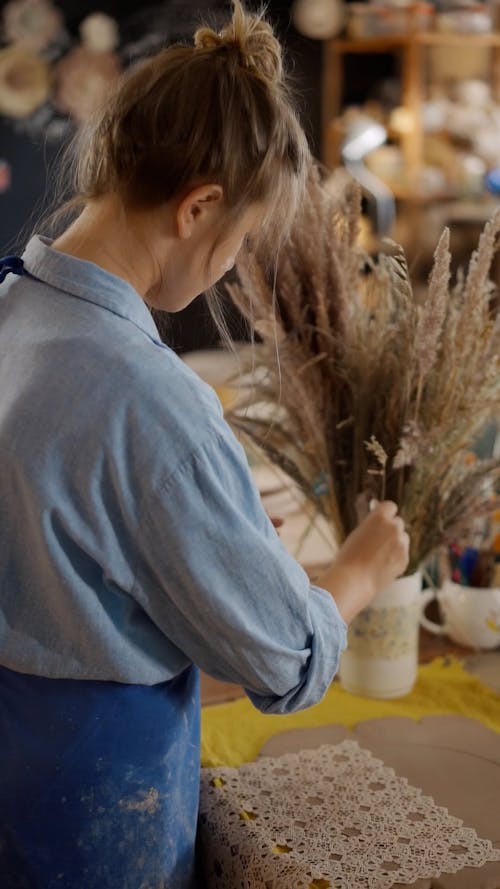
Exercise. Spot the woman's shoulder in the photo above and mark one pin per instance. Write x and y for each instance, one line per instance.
(168, 386)
(160, 408)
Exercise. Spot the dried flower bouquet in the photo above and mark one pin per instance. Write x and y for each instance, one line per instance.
(373, 394)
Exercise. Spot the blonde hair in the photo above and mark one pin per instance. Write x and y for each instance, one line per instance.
(216, 111)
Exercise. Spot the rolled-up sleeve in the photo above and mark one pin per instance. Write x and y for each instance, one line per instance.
(214, 576)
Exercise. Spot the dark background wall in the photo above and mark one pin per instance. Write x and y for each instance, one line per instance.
(32, 156)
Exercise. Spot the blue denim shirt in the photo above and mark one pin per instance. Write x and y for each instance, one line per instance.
(133, 541)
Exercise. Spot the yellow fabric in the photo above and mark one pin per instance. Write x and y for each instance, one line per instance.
(234, 733)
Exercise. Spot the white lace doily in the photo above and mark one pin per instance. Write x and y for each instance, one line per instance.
(330, 818)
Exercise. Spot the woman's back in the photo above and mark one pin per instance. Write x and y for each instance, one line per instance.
(82, 366)
(95, 413)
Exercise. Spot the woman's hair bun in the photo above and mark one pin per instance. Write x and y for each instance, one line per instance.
(250, 37)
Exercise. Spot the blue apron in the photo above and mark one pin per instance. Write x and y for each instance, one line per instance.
(99, 783)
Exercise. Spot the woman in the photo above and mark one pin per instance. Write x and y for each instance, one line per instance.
(134, 544)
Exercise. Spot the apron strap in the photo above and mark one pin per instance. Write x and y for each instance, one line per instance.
(12, 264)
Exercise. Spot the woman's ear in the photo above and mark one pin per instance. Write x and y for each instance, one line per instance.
(197, 207)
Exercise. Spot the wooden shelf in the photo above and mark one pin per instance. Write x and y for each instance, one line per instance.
(386, 43)
(390, 42)
(437, 38)
(411, 49)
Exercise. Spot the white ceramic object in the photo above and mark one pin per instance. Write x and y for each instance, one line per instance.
(318, 19)
(473, 93)
(471, 615)
(381, 658)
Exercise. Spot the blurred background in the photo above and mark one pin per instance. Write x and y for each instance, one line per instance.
(405, 95)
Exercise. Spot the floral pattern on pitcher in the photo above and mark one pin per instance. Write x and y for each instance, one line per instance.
(493, 621)
(384, 632)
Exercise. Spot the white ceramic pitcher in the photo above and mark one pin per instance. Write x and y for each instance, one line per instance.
(381, 658)
(471, 615)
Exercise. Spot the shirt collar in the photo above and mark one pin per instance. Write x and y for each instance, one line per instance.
(88, 281)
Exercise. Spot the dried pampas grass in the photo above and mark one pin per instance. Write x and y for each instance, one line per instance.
(373, 395)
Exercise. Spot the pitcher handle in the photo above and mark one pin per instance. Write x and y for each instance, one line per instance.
(432, 593)
(437, 629)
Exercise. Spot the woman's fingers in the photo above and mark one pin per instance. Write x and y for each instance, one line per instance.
(387, 508)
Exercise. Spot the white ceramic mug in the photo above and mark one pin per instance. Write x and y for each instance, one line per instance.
(381, 658)
(471, 615)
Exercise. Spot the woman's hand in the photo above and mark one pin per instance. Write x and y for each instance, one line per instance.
(369, 560)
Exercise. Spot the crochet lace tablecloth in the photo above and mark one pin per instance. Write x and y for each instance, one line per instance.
(330, 818)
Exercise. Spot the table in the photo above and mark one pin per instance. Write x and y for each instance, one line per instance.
(393, 799)
(455, 760)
